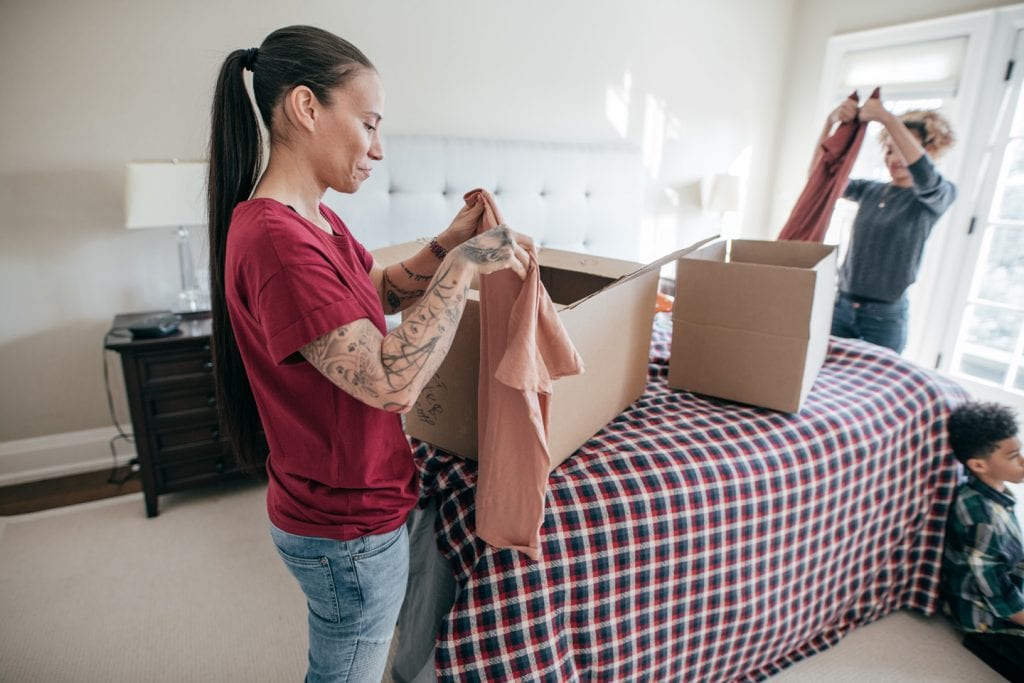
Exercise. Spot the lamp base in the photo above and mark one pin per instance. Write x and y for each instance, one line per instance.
(191, 297)
(188, 301)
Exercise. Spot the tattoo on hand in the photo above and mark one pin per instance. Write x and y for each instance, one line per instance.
(478, 251)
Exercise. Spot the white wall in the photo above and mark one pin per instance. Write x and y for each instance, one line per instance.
(89, 86)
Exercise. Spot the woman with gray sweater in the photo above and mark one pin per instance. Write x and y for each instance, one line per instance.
(893, 221)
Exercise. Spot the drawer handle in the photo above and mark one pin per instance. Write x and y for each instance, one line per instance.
(215, 434)
(206, 347)
(211, 401)
(208, 366)
(220, 466)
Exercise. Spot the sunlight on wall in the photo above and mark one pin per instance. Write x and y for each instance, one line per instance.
(616, 104)
(732, 221)
(660, 126)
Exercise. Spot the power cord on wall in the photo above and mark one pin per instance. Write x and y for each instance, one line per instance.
(122, 435)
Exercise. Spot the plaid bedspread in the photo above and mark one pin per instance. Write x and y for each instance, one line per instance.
(700, 540)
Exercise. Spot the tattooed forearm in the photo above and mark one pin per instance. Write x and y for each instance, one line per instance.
(389, 372)
(349, 356)
(415, 276)
(397, 298)
(408, 353)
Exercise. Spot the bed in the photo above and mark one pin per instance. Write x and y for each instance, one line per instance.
(692, 538)
(696, 539)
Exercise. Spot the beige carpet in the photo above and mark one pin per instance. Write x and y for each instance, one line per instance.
(98, 592)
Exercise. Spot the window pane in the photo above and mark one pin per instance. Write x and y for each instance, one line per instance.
(1001, 276)
(1011, 186)
(1018, 116)
(1018, 383)
(983, 368)
(994, 328)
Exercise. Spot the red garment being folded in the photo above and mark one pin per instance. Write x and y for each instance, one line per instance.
(523, 348)
(808, 222)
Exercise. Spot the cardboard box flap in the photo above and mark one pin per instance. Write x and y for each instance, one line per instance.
(770, 287)
(657, 264)
(808, 255)
(584, 263)
(394, 253)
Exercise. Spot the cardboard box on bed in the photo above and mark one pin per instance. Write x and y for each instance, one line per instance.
(751, 320)
(606, 306)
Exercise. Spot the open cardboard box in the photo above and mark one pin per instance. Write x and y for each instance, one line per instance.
(751, 320)
(606, 306)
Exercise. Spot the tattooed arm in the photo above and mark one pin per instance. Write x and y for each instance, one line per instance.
(388, 372)
(403, 283)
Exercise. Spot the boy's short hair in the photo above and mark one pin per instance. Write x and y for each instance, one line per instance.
(975, 429)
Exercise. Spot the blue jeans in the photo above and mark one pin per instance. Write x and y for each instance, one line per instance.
(354, 591)
(878, 322)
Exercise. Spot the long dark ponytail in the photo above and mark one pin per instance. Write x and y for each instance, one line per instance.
(288, 57)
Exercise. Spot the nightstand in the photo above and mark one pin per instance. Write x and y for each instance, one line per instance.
(173, 404)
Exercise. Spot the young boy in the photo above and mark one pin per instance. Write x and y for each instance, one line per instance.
(983, 563)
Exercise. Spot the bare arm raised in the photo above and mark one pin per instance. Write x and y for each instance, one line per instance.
(906, 142)
(389, 371)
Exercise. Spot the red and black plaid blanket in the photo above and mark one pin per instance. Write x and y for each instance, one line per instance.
(697, 539)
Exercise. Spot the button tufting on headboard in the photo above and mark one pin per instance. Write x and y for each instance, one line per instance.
(566, 196)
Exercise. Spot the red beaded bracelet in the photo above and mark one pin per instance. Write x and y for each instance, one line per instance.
(436, 249)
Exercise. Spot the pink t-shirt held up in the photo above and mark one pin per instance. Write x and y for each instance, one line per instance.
(523, 348)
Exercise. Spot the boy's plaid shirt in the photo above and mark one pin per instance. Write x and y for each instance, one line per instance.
(983, 564)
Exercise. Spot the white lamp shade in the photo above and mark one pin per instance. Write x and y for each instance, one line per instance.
(722, 193)
(160, 194)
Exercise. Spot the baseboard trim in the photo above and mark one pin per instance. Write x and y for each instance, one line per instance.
(59, 455)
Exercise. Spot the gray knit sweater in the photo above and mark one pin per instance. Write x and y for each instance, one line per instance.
(890, 230)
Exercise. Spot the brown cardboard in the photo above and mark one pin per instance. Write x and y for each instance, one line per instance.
(606, 306)
(751, 320)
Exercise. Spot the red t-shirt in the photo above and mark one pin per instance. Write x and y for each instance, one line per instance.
(338, 468)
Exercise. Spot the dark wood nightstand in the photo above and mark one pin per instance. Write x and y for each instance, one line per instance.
(169, 382)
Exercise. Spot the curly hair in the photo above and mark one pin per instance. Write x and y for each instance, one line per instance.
(931, 127)
(975, 429)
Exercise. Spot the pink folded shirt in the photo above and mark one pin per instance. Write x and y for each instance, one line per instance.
(523, 348)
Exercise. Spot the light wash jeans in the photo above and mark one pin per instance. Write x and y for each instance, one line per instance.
(354, 591)
(878, 322)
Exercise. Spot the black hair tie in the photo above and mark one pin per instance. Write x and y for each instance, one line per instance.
(250, 58)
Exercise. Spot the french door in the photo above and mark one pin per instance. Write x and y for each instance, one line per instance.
(985, 335)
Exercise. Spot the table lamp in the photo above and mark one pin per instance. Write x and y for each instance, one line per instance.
(162, 194)
(722, 194)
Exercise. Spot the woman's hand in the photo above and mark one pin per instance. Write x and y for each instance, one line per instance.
(497, 249)
(874, 110)
(844, 113)
(462, 227)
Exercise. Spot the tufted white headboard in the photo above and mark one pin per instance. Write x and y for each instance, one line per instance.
(586, 198)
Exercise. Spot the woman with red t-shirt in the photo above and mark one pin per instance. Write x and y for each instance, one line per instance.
(301, 350)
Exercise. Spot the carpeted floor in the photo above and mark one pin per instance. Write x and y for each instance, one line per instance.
(98, 592)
